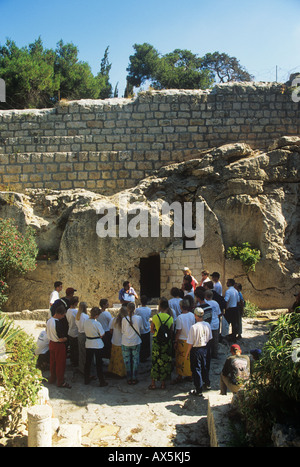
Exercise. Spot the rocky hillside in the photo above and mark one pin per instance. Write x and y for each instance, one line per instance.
(248, 195)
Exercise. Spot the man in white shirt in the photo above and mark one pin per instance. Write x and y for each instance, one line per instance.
(232, 312)
(104, 319)
(73, 331)
(57, 333)
(55, 294)
(93, 346)
(198, 338)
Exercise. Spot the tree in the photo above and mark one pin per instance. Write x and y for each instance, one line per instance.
(142, 64)
(36, 77)
(225, 68)
(28, 74)
(181, 69)
(103, 77)
(76, 80)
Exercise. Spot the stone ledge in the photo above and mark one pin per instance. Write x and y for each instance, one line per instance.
(217, 419)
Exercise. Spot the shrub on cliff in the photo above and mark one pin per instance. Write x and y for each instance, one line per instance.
(17, 253)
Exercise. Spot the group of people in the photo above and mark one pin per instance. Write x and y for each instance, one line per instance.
(186, 330)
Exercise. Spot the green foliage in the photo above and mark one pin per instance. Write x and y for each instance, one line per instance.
(277, 362)
(7, 333)
(36, 77)
(273, 392)
(20, 380)
(249, 256)
(17, 253)
(225, 68)
(250, 310)
(181, 69)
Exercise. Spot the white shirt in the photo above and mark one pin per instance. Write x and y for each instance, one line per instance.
(218, 287)
(54, 296)
(80, 322)
(184, 323)
(117, 333)
(104, 319)
(42, 343)
(93, 328)
(231, 297)
(129, 336)
(145, 313)
(51, 329)
(71, 315)
(200, 334)
(174, 303)
(216, 311)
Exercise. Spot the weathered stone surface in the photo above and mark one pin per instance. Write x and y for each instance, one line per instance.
(253, 199)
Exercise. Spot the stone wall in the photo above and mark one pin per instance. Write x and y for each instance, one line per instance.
(107, 146)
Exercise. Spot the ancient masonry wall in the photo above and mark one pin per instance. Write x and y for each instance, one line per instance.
(107, 146)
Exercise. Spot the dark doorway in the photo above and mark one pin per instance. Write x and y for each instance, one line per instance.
(150, 276)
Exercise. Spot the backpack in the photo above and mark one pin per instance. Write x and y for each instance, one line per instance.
(164, 332)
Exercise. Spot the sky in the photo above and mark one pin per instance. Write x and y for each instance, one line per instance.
(264, 35)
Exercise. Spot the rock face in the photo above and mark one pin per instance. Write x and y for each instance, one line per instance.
(248, 196)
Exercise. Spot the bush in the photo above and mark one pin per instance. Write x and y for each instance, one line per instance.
(250, 310)
(20, 380)
(273, 392)
(249, 256)
(17, 253)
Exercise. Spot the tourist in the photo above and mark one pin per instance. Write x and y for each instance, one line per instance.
(198, 338)
(214, 324)
(232, 313)
(204, 277)
(235, 372)
(58, 335)
(55, 294)
(202, 303)
(145, 313)
(161, 350)
(93, 346)
(73, 330)
(69, 294)
(241, 305)
(174, 302)
(42, 351)
(209, 285)
(216, 281)
(127, 294)
(81, 316)
(188, 272)
(183, 324)
(189, 290)
(131, 341)
(116, 364)
(104, 319)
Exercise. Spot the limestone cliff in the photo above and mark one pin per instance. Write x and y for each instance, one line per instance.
(248, 195)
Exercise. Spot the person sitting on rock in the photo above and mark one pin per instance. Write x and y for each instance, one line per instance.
(235, 372)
